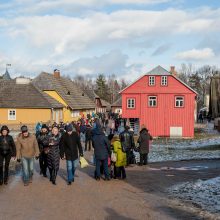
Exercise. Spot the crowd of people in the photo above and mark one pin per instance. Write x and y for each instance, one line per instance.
(112, 150)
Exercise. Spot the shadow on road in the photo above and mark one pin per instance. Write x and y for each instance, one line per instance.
(179, 214)
(112, 214)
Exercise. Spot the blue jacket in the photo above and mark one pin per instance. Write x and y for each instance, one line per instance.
(100, 144)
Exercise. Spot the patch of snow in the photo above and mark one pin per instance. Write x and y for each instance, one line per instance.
(202, 194)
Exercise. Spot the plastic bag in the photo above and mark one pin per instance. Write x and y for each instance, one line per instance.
(113, 157)
(83, 162)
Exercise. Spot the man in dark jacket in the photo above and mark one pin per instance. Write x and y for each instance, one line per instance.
(102, 151)
(69, 147)
(88, 135)
(144, 145)
(7, 150)
(43, 143)
(127, 142)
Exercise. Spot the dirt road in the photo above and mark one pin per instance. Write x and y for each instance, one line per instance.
(141, 196)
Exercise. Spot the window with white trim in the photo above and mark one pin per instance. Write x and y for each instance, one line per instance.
(75, 114)
(130, 103)
(179, 101)
(151, 80)
(152, 101)
(163, 80)
(11, 114)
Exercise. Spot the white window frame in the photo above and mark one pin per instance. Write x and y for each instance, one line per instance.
(152, 101)
(179, 103)
(61, 114)
(164, 81)
(75, 114)
(12, 117)
(152, 80)
(131, 103)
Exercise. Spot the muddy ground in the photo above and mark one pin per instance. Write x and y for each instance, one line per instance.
(142, 196)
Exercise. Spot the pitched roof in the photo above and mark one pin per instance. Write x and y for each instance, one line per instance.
(104, 103)
(159, 71)
(91, 94)
(75, 98)
(14, 95)
(117, 103)
(6, 76)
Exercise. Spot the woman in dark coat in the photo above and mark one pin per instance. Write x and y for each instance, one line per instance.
(102, 151)
(7, 150)
(54, 154)
(144, 143)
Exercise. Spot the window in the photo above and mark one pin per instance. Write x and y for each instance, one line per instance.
(12, 114)
(179, 102)
(151, 80)
(152, 101)
(131, 103)
(163, 80)
(75, 114)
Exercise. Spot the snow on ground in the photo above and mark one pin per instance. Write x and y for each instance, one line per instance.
(202, 194)
(158, 154)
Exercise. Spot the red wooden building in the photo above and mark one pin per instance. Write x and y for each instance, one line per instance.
(162, 102)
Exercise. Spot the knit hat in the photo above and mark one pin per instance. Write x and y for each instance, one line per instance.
(69, 128)
(44, 126)
(143, 126)
(24, 129)
(4, 127)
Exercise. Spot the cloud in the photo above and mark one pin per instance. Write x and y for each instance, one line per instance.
(113, 62)
(196, 54)
(161, 49)
(64, 33)
(52, 6)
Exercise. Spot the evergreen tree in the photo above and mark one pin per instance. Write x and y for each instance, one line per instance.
(101, 87)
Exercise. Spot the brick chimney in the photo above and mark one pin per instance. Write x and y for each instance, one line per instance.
(56, 73)
(173, 71)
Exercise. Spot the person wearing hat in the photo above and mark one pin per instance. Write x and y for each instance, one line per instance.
(144, 145)
(43, 143)
(7, 150)
(27, 149)
(70, 149)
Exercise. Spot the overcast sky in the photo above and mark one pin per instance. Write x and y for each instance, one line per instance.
(124, 37)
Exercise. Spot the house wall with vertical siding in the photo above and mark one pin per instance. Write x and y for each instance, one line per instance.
(159, 119)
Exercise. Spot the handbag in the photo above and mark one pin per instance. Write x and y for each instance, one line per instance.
(83, 162)
(46, 150)
(113, 157)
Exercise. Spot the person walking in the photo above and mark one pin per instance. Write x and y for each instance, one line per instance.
(144, 143)
(121, 158)
(88, 135)
(7, 150)
(53, 157)
(27, 149)
(70, 145)
(127, 141)
(43, 143)
(102, 151)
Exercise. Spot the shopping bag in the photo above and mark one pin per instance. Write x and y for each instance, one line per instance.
(113, 157)
(83, 162)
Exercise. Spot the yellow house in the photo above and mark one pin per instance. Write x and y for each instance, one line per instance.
(76, 103)
(22, 103)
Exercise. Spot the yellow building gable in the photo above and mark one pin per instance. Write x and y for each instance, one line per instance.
(68, 114)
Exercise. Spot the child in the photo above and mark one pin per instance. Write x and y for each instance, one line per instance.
(121, 158)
